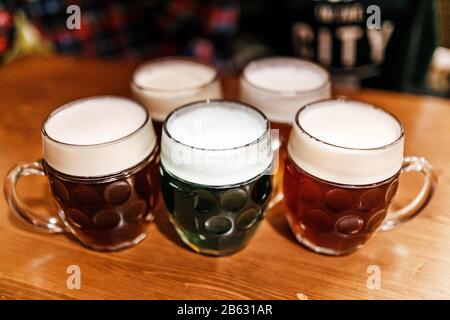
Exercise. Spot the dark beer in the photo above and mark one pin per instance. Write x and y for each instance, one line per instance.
(108, 213)
(101, 159)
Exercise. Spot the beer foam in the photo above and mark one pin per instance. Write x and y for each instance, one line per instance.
(347, 142)
(295, 76)
(167, 83)
(173, 74)
(216, 126)
(216, 143)
(279, 86)
(97, 136)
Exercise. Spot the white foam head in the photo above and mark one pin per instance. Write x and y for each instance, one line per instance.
(166, 83)
(347, 142)
(279, 86)
(216, 143)
(97, 136)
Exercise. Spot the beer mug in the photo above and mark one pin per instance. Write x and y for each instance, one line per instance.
(342, 169)
(215, 171)
(278, 86)
(164, 84)
(100, 156)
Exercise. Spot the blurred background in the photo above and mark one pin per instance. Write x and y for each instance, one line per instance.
(407, 50)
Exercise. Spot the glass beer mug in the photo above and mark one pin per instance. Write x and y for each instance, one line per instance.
(278, 86)
(341, 173)
(216, 162)
(101, 157)
(164, 84)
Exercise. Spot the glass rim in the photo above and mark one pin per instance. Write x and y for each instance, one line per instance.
(366, 104)
(72, 103)
(175, 58)
(208, 101)
(327, 80)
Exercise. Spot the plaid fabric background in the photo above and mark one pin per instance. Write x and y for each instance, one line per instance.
(135, 28)
(6, 28)
(227, 33)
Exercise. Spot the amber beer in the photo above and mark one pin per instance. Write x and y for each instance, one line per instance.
(341, 174)
(101, 158)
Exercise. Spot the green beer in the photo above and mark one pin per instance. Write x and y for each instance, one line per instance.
(216, 160)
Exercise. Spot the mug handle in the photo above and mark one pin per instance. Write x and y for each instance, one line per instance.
(49, 225)
(409, 211)
(278, 196)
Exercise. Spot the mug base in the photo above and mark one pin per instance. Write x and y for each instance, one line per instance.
(86, 242)
(118, 247)
(325, 251)
(193, 242)
(318, 249)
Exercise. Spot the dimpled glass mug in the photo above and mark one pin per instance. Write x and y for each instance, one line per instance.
(164, 84)
(278, 86)
(341, 173)
(101, 158)
(216, 160)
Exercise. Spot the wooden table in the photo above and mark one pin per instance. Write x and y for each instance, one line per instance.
(414, 259)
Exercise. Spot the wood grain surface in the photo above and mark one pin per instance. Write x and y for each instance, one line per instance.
(414, 259)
